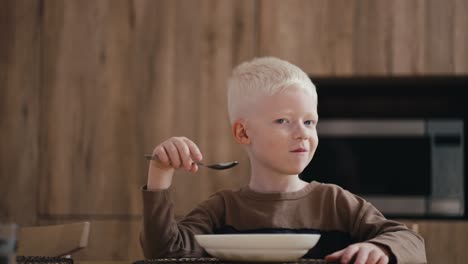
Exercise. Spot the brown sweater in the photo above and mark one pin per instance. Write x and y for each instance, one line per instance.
(339, 216)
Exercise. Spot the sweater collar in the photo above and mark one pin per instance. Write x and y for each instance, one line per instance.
(249, 193)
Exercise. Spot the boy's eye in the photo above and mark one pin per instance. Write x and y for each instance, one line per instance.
(280, 121)
(309, 122)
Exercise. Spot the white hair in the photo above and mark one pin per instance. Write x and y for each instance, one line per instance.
(263, 77)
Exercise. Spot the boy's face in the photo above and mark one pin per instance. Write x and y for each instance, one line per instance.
(282, 132)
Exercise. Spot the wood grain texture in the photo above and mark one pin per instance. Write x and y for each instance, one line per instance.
(19, 105)
(408, 37)
(315, 35)
(206, 38)
(440, 37)
(366, 37)
(461, 37)
(445, 240)
(372, 39)
(91, 163)
(120, 78)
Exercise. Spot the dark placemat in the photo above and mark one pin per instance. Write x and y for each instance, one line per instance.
(217, 261)
(42, 260)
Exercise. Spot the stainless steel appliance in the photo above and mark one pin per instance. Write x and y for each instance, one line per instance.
(405, 167)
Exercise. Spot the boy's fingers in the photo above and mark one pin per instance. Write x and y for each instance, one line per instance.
(334, 256)
(383, 260)
(374, 256)
(163, 159)
(349, 253)
(184, 153)
(173, 154)
(177, 152)
(194, 150)
(362, 256)
(194, 168)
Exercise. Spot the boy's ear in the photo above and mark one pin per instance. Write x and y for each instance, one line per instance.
(240, 133)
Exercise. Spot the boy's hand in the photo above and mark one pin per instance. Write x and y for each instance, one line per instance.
(362, 253)
(174, 153)
(177, 152)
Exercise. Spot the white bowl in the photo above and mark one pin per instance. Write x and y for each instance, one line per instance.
(258, 247)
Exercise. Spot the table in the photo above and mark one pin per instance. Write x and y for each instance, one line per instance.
(217, 261)
(42, 260)
(180, 261)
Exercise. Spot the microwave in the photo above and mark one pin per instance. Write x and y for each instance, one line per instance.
(404, 167)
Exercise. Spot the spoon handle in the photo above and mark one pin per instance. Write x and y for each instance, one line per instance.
(155, 157)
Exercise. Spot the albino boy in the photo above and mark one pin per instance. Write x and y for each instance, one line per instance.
(273, 111)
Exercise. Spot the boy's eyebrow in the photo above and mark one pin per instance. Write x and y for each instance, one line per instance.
(288, 112)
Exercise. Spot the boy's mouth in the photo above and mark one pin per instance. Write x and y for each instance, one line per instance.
(299, 150)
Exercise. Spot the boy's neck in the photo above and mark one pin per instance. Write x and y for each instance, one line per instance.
(286, 183)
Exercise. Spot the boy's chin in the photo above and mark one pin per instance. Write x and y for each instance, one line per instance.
(293, 171)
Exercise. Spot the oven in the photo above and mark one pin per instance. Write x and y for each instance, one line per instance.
(405, 167)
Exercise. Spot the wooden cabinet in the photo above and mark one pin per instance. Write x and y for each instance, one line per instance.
(366, 37)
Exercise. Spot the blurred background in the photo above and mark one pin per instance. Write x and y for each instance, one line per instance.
(88, 87)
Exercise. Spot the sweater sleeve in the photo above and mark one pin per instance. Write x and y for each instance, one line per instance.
(164, 237)
(368, 224)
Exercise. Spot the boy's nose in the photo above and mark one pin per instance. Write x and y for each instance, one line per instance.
(301, 132)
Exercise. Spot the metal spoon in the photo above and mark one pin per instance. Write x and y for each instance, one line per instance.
(216, 166)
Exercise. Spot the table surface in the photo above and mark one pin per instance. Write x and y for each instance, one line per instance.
(195, 261)
(217, 261)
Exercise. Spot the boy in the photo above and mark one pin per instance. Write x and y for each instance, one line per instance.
(273, 111)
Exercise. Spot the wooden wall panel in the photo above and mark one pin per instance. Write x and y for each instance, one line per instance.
(366, 37)
(90, 157)
(120, 78)
(315, 35)
(440, 55)
(19, 105)
(408, 37)
(210, 38)
(372, 37)
(461, 37)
